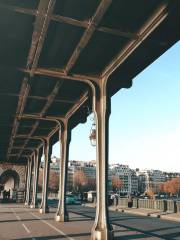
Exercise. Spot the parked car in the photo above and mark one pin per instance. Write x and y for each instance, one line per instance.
(70, 199)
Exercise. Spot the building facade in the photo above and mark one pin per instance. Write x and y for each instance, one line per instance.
(150, 179)
(127, 176)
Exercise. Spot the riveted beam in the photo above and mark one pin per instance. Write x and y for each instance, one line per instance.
(150, 25)
(45, 118)
(50, 100)
(73, 22)
(27, 148)
(47, 9)
(78, 104)
(41, 138)
(15, 155)
(38, 98)
(19, 9)
(25, 126)
(60, 74)
(101, 10)
(39, 32)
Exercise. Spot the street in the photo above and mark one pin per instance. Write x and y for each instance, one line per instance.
(20, 222)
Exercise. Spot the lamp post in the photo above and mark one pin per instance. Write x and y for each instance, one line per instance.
(92, 135)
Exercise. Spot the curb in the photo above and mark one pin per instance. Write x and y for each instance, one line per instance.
(162, 215)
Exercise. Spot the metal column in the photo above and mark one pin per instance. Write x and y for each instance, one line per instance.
(29, 178)
(64, 138)
(47, 154)
(34, 203)
(102, 229)
(26, 179)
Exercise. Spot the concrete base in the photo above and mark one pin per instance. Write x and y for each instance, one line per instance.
(42, 210)
(33, 206)
(62, 218)
(102, 234)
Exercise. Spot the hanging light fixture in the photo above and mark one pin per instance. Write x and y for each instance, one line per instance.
(92, 135)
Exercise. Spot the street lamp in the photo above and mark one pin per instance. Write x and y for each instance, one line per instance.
(92, 135)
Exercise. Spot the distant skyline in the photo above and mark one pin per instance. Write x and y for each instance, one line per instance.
(145, 120)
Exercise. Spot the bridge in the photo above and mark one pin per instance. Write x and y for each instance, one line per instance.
(60, 61)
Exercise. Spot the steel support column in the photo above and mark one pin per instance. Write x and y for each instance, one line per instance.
(29, 178)
(102, 229)
(64, 138)
(26, 179)
(34, 203)
(47, 154)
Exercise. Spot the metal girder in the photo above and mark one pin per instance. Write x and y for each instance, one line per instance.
(85, 24)
(25, 126)
(101, 10)
(57, 119)
(46, 118)
(37, 98)
(151, 24)
(40, 29)
(41, 138)
(81, 101)
(27, 148)
(21, 103)
(19, 9)
(60, 74)
(46, 7)
(50, 100)
(78, 104)
(15, 155)
(73, 22)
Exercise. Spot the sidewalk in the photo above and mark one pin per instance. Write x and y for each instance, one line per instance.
(19, 222)
(144, 212)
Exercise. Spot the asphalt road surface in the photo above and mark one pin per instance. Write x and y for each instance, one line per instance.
(19, 222)
(145, 226)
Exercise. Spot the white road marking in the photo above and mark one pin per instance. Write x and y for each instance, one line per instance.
(25, 227)
(19, 219)
(53, 227)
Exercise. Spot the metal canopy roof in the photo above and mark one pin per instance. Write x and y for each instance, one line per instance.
(47, 46)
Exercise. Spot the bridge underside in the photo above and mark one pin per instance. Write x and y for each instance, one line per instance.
(49, 47)
(59, 61)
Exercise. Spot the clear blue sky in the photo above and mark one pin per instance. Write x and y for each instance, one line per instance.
(145, 120)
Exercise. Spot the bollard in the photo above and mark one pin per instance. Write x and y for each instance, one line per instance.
(135, 202)
(122, 202)
(115, 202)
(171, 206)
(178, 206)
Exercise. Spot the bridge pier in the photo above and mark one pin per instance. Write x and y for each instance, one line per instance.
(64, 138)
(34, 202)
(47, 155)
(102, 229)
(29, 179)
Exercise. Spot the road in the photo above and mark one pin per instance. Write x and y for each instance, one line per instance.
(19, 222)
(145, 226)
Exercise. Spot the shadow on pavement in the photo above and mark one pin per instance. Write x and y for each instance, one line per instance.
(76, 235)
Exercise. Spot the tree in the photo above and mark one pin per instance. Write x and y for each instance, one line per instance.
(91, 184)
(80, 181)
(116, 183)
(40, 180)
(150, 192)
(172, 186)
(53, 181)
(161, 188)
